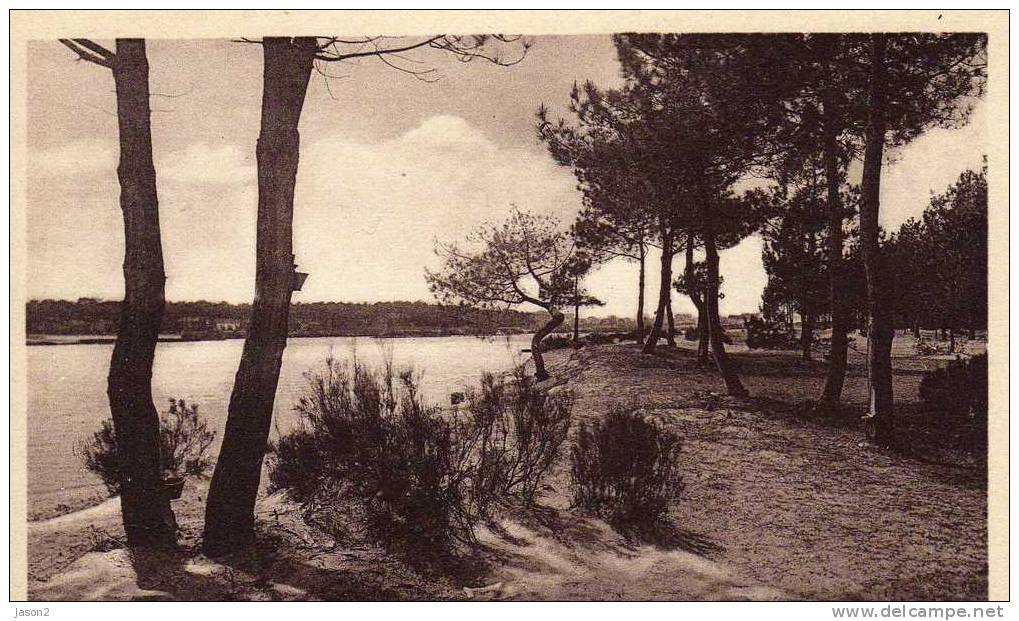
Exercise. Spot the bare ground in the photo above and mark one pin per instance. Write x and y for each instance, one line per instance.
(780, 503)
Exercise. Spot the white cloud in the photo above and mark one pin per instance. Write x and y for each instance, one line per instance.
(367, 214)
(204, 164)
(198, 164)
(81, 158)
(930, 163)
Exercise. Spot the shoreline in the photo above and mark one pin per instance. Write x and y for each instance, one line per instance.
(49, 340)
(740, 530)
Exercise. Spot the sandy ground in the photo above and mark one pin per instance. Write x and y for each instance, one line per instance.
(779, 504)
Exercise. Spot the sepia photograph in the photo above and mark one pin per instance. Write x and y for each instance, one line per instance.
(603, 306)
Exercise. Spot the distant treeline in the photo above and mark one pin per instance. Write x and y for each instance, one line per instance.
(91, 316)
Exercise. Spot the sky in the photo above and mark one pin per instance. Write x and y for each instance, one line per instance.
(388, 165)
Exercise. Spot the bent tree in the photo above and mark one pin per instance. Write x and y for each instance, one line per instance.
(145, 508)
(526, 260)
(288, 66)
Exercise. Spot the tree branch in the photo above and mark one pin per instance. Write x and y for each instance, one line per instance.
(84, 54)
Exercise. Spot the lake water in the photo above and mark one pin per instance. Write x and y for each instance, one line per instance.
(67, 390)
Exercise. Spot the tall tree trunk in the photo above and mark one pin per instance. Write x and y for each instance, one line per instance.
(670, 333)
(540, 374)
(640, 294)
(880, 420)
(576, 313)
(732, 382)
(806, 335)
(229, 516)
(839, 351)
(703, 331)
(144, 507)
(664, 290)
(689, 274)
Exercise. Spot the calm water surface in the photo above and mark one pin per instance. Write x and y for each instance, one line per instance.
(67, 390)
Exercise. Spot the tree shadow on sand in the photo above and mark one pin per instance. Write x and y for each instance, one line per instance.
(666, 535)
(572, 530)
(275, 569)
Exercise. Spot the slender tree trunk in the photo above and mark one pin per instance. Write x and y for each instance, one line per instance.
(703, 331)
(670, 334)
(880, 420)
(732, 382)
(576, 313)
(540, 374)
(664, 290)
(144, 506)
(698, 301)
(640, 294)
(839, 352)
(806, 335)
(229, 516)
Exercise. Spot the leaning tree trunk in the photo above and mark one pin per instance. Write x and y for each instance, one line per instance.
(540, 374)
(698, 302)
(640, 294)
(880, 420)
(144, 507)
(670, 333)
(664, 291)
(732, 382)
(229, 516)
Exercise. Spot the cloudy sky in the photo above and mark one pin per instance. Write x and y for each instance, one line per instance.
(388, 165)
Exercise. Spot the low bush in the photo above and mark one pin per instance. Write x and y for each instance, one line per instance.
(958, 389)
(607, 338)
(420, 477)
(765, 334)
(184, 441)
(556, 341)
(625, 468)
(694, 334)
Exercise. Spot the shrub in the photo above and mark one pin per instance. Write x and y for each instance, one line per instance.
(519, 429)
(768, 334)
(959, 388)
(922, 347)
(606, 338)
(556, 341)
(625, 469)
(184, 441)
(694, 334)
(420, 477)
